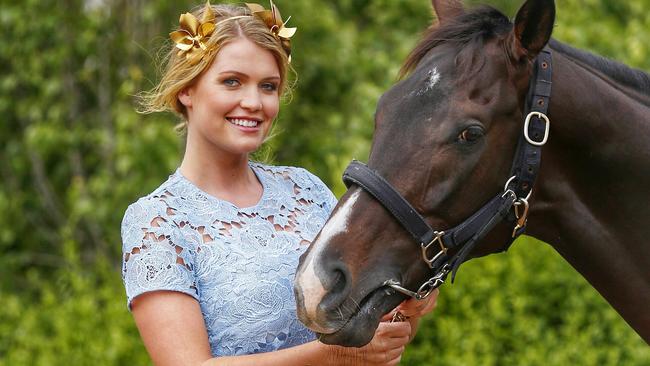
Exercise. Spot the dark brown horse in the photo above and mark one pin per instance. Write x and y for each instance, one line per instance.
(445, 137)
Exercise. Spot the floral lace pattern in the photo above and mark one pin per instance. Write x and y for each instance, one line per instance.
(239, 263)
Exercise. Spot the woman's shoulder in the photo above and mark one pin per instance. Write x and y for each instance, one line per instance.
(157, 203)
(164, 191)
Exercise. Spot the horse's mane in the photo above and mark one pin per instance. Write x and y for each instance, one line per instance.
(473, 28)
(470, 29)
(619, 72)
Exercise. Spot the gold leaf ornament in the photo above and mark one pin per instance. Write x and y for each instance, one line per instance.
(193, 34)
(273, 20)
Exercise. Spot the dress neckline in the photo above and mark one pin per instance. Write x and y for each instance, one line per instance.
(260, 177)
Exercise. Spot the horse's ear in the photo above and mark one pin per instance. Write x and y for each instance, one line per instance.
(447, 9)
(533, 28)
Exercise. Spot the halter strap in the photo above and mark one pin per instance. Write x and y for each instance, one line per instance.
(528, 155)
(373, 183)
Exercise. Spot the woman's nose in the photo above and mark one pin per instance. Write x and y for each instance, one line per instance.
(251, 100)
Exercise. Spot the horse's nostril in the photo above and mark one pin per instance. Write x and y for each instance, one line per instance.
(339, 281)
(337, 286)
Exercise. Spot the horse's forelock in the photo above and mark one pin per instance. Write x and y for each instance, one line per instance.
(469, 31)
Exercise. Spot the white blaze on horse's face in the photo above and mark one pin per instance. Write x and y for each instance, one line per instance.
(312, 289)
(433, 77)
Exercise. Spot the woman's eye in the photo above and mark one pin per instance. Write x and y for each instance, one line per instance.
(231, 82)
(269, 87)
(471, 134)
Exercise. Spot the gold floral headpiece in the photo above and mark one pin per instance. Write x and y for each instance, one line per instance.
(191, 39)
(273, 20)
(193, 35)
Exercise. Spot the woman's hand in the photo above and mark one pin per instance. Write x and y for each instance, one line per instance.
(413, 308)
(385, 348)
(391, 337)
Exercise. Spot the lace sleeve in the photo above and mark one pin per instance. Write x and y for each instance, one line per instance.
(154, 255)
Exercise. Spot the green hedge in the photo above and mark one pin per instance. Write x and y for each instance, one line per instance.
(525, 307)
(76, 316)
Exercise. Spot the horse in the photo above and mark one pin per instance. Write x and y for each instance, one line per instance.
(452, 177)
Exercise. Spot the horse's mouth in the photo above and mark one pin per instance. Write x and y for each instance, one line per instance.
(360, 327)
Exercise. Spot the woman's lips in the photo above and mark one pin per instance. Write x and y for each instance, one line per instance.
(245, 124)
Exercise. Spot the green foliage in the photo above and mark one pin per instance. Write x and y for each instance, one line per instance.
(73, 154)
(526, 307)
(76, 316)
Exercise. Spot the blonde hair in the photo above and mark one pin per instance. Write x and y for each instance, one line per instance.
(232, 22)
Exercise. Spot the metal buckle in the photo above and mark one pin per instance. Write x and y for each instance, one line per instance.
(425, 248)
(546, 132)
(510, 191)
(505, 188)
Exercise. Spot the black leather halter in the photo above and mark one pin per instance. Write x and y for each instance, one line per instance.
(511, 204)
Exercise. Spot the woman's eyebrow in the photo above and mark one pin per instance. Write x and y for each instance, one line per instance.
(232, 72)
(238, 73)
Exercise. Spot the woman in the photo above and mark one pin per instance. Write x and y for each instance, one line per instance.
(210, 255)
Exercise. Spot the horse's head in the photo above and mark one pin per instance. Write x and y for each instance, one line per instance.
(444, 138)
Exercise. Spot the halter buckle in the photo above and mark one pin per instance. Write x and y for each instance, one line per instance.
(507, 190)
(425, 248)
(547, 126)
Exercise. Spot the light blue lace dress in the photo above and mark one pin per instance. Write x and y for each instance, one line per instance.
(239, 263)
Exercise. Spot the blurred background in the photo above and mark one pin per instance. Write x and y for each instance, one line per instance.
(74, 154)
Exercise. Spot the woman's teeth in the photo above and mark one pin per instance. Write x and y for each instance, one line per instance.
(243, 122)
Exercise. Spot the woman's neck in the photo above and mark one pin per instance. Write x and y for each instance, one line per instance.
(225, 176)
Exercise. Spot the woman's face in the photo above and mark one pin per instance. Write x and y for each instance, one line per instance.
(232, 105)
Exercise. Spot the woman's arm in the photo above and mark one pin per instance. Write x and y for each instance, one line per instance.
(173, 330)
(384, 350)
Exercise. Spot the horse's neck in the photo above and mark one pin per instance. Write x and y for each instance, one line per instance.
(597, 159)
(591, 201)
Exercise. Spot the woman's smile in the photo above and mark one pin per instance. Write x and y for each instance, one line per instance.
(246, 124)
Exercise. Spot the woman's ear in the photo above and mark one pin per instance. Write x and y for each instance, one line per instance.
(185, 97)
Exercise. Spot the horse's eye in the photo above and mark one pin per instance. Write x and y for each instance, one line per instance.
(471, 134)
